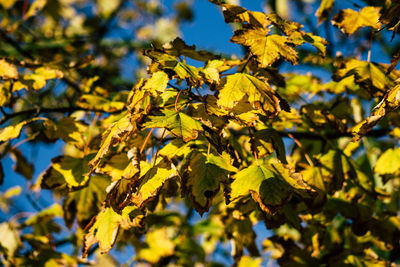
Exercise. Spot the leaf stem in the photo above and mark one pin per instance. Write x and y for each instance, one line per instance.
(146, 140)
(176, 100)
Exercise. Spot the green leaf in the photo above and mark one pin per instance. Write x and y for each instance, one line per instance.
(159, 245)
(41, 75)
(157, 83)
(54, 210)
(112, 136)
(267, 48)
(95, 102)
(390, 102)
(68, 129)
(267, 141)
(203, 176)
(151, 183)
(349, 21)
(267, 189)
(238, 86)
(22, 166)
(178, 123)
(86, 202)
(14, 131)
(105, 226)
(74, 170)
(7, 70)
(388, 162)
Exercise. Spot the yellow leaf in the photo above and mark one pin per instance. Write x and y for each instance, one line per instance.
(323, 10)
(13, 131)
(7, 70)
(349, 21)
(157, 83)
(388, 162)
(234, 88)
(41, 75)
(111, 137)
(267, 48)
(159, 245)
(35, 7)
(246, 261)
(7, 3)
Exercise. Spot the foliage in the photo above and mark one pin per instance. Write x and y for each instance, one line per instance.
(242, 141)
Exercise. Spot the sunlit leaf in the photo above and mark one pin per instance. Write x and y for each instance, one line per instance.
(240, 85)
(267, 48)
(7, 70)
(349, 21)
(178, 123)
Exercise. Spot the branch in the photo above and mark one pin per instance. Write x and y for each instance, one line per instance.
(49, 110)
(309, 135)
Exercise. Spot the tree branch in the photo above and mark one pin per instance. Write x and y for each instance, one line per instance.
(39, 110)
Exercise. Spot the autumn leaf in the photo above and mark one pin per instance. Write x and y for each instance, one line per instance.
(105, 226)
(324, 8)
(203, 177)
(267, 48)
(235, 87)
(349, 21)
(178, 123)
(112, 136)
(7, 70)
(157, 83)
(14, 131)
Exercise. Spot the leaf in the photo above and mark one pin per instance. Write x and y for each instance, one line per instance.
(7, 70)
(179, 48)
(112, 136)
(234, 13)
(14, 131)
(35, 7)
(365, 72)
(22, 166)
(158, 245)
(268, 140)
(10, 238)
(324, 8)
(157, 83)
(86, 202)
(235, 87)
(50, 212)
(95, 102)
(41, 75)
(388, 162)
(267, 48)
(7, 3)
(178, 123)
(390, 102)
(267, 189)
(105, 226)
(119, 166)
(349, 21)
(203, 176)
(74, 170)
(68, 129)
(151, 183)
(247, 261)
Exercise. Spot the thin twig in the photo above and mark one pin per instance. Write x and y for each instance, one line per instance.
(146, 140)
(302, 149)
(176, 100)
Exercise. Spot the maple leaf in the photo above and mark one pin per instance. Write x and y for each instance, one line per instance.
(112, 136)
(324, 8)
(7, 70)
(203, 177)
(267, 48)
(234, 88)
(349, 21)
(178, 123)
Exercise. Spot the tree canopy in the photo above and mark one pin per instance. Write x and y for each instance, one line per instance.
(178, 155)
